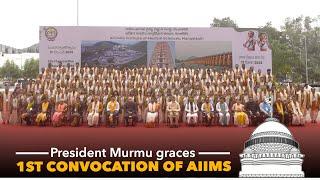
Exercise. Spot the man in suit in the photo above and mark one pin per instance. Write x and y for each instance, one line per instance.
(253, 110)
(131, 111)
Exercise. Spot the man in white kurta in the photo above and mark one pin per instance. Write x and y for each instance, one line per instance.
(223, 110)
(192, 112)
(173, 109)
(93, 115)
(152, 113)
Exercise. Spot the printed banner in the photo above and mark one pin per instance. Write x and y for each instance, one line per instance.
(154, 46)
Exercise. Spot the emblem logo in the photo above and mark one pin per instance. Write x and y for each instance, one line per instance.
(51, 33)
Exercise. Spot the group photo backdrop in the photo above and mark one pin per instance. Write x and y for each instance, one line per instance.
(154, 47)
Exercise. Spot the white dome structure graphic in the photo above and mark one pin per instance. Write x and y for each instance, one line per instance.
(271, 151)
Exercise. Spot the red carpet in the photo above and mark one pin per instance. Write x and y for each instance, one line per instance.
(23, 138)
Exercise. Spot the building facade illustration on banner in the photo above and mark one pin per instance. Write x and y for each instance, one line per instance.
(271, 151)
(106, 53)
(161, 55)
(224, 59)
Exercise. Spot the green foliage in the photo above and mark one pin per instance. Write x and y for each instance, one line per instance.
(30, 68)
(299, 29)
(10, 70)
(224, 22)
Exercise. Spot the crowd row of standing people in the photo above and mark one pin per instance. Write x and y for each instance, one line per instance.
(72, 95)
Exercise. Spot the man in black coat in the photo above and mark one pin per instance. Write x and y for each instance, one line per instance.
(253, 111)
(131, 112)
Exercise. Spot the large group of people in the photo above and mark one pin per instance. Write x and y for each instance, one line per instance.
(74, 95)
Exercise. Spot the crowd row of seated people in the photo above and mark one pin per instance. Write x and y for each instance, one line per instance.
(206, 113)
(150, 95)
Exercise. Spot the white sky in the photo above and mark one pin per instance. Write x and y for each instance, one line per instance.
(20, 19)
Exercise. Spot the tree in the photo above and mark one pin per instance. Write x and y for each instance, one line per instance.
(224, 22)
(30, 68)
(10, 70)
